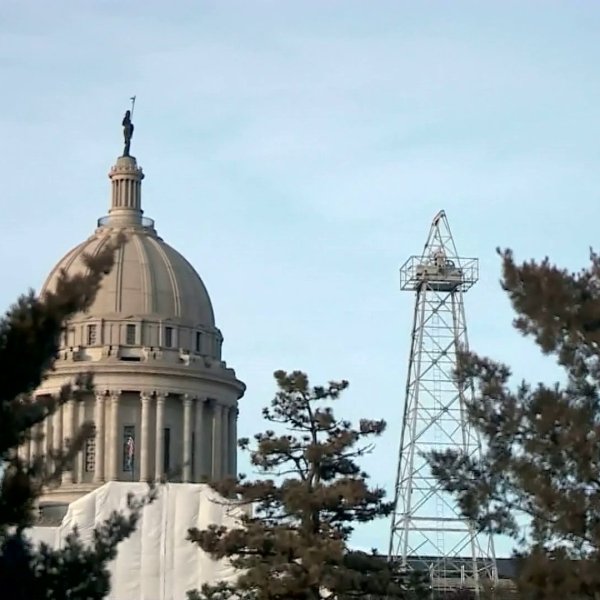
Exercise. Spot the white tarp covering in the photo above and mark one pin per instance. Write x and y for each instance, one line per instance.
(156, 562)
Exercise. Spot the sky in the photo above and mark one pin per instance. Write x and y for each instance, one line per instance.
(296, 153)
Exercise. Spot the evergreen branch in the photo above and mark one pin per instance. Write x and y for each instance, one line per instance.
(294, 546)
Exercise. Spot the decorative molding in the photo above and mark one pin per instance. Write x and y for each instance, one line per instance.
(115, 395)
(138, 374)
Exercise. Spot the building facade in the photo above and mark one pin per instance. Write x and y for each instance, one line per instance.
(164, 404)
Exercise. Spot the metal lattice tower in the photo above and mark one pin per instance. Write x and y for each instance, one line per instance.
(428, 531)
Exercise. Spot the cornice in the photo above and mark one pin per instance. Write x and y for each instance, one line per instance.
(139, 371)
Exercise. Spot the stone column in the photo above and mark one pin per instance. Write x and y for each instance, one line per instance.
(233, 415)
(48, 425)
(202, 448)
(113, 436)
(38, 439)
(57, 430)
(69, 417)
(160, 436)
(145, 438)
(225, 450)
(187, 438)
(99, 420)
(34, 432)
(80, 409)
(29, 449)
(217, 445)
(22, 452)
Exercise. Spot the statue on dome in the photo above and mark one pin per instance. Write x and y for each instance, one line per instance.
(127, 132)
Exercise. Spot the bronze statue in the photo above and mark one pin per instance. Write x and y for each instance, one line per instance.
(127, 132)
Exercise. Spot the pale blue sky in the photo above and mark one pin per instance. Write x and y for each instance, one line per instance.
(296, 153)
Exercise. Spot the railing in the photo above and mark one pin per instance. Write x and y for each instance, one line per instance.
(460, 274)
(146, 222)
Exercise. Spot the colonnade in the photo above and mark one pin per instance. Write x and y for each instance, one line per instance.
(208, 443)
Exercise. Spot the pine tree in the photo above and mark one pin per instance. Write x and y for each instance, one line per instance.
(29, 342)
(295, 544)
(541, 442)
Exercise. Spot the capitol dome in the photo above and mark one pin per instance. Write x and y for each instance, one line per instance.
(164, 403)
(150, 279)
(150, 284)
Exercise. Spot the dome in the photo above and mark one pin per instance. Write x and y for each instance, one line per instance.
(148, 280)
(151, 300)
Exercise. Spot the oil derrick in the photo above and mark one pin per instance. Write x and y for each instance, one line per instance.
(428, 532)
